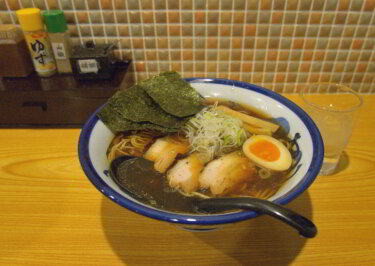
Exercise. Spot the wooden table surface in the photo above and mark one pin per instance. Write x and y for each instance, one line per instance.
(50, 214)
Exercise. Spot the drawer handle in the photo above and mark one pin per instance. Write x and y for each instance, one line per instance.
(40, 104)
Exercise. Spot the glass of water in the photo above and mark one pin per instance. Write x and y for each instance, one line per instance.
(334, 109)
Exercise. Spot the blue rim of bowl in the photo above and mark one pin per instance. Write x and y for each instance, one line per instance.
(306, 181)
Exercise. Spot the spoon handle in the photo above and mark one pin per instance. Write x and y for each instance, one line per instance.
(305, 227)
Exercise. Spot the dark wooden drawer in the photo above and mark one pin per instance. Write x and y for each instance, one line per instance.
(59, 101)
(49, 108)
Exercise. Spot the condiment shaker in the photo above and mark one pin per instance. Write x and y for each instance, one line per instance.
(37, 41)
(60, 39)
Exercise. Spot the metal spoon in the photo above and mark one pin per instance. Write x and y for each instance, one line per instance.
(137, 177)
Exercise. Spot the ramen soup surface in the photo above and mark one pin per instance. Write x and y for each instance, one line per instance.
(172, 199)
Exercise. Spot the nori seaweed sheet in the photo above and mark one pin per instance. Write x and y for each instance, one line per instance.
(134, 104)
(162, 103)
(117, 123)
(174, 95)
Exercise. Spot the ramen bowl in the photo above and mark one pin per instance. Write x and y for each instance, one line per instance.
(95, 139)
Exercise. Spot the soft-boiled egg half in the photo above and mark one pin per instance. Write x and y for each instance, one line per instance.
(267, 152)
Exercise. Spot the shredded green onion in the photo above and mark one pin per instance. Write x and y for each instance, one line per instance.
(213, 133)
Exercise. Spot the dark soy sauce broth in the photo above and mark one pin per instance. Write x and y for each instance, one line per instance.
(151, 187)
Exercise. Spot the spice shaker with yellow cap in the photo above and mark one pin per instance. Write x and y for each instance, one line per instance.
(37, 41)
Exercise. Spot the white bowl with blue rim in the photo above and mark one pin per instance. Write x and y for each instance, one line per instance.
(95, 138)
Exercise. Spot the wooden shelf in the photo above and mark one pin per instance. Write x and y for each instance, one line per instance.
(58, 101)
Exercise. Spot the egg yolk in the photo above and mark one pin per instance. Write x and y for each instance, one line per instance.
(265, 150)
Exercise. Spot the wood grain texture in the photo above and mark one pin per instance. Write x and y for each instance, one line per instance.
(50, 214)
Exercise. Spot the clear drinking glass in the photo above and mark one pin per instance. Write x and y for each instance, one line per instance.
(334, 109)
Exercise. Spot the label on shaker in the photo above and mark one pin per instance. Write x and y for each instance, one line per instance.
(41, 51)
(59, 50)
